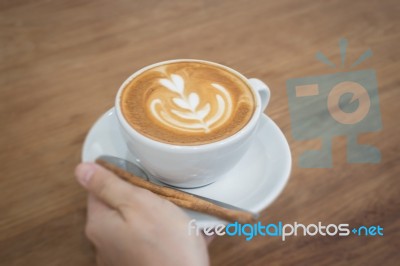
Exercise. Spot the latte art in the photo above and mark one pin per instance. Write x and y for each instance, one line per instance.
(187, 103)
(188, 111)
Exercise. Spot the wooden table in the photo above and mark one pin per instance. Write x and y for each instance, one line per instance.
(61, 65)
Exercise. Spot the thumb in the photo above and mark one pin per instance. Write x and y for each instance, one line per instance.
(105, 185)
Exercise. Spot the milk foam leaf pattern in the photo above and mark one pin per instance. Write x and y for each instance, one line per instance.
(194, 99)
(181, 103)
(189, 112)
(175, 85)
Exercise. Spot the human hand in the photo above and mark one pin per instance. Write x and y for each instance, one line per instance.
(129, 225)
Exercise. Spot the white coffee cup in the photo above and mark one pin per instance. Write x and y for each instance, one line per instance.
(193, 166)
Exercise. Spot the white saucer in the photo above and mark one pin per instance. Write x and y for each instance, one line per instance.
(253, 184)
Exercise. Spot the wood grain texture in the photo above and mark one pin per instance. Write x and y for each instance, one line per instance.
(61, 63)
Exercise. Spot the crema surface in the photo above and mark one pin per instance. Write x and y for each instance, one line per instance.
(187, 103)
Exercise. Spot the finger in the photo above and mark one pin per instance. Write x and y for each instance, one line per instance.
(100, 220)
(104, 185)
(99, 261)
(96, 206)
(209, 239)
(96, 212)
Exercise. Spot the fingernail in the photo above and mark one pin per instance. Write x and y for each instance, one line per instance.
(84, 173)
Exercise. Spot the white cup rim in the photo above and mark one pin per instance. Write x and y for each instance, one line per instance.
(167, 146)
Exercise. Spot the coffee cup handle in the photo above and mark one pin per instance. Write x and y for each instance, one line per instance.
(262, 90)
